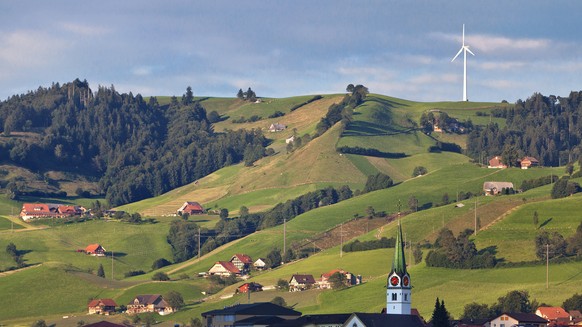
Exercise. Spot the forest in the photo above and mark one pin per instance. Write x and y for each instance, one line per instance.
(135, 148)
(548, 128)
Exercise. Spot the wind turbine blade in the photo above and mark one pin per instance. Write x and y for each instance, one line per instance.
(463, 34)
(458, 53)
(467, 47)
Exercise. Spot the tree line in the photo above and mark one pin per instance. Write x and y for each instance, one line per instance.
(545, 127)
(136, 147)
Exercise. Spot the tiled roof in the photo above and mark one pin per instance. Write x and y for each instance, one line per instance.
(553, 313)
(92, 247)
(303, 279)
(527, 317)
(243, 258)
(104, 324)
(105, 302)
(229, 266)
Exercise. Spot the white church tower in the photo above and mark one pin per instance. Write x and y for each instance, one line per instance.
(398, 287)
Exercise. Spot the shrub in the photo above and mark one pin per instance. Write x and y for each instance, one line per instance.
(161, 276)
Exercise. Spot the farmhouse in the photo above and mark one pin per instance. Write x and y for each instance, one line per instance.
(528, 162)
(555, 315)
(149, 303)
(38, 210)
(276, 127)
(70, 210)
(250, 287)
(494, 188)
(290, 140)
(102, 306)
(496, 162)
(242, 261)
(191, 208)
(517, 319)
(236, 314)
(224, 268)
(95, 250)
(260, 264)
(349, 279)
(301, 282)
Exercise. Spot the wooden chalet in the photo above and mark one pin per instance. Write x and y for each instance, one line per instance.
(494, 188)
(191, 208)
(276, 127)
(496, 162)
(224, 268)
(301, 283)
(95, 250)
(260, 264)
(528, 162)
(242, 261)
(102, 306)
(149, 303)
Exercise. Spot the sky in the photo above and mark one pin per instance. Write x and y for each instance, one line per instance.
(288, 48)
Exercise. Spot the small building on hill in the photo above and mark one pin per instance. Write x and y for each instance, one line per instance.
(102, 306)
(496, 162)
(517, 319)
(349, 279)
(276, 127)
(242, 261)
(494, 188)
(224, 268)
(95, 250)
(528, 162)
(260, 264)
(38, 210)
(555, 315)
(301, 282)
(191, 208)
(149, 303)
(250, 287)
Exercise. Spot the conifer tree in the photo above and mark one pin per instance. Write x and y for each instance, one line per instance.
(101, 271)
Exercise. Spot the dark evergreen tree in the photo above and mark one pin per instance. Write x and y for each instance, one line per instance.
(100, 271)
(440, 315)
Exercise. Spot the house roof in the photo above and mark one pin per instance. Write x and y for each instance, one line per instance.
(553, 313)
(525, 317)
(105, 302)
(191, 206)
(531, 159)
(147, 299)
(260, 321)
(35, 208)
(243, 258)
(104, 323)
(381, 319)
(315, 320)
(229, 266)
(303, 279)
(497, 185)
(254, 309)
(575, 313)
(251, 284)
(93, 247)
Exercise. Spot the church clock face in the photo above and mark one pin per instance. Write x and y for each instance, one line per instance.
(405, 281)
(394, 280)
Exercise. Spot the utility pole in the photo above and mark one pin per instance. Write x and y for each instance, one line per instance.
(284, 236)
(112, 256)
(475, 232)
(547, 266)
(341, 240)
(198, 244)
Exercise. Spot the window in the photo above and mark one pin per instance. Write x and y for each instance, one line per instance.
(405, 297)
(394, 297)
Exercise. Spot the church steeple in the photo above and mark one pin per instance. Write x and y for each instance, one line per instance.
(398, 288)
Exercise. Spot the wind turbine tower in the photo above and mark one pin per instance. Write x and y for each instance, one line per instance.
(464, 49)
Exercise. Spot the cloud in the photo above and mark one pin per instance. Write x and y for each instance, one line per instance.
(85, 30)
(490, 44)
(25, 48)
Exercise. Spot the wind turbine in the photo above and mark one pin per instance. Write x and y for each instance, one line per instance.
(464, 49)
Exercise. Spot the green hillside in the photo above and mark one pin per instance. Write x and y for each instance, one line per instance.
(383, 123)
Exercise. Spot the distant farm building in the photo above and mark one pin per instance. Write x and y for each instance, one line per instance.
(290, 140)
(496, 162)
(528, 162)
(149, 303)
(276, 127)
(224, 268)
(242, 261)
(191, 208)
(260, 264)
(49, 210)
(301, 283)
(102, 306)
(494, 188)
(95, 250)
(250, 287)
(349, 279)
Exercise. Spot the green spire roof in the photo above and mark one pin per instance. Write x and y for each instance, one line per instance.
(399, 263)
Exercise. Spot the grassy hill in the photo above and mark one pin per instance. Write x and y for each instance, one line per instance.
(383, 123)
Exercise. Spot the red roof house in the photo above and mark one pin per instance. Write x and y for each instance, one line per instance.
(496, 162)
(102, 306)
(95, 249)
(324, 283)
(252, 287)
(70, 210)
(528, 162)
(191, 208)
(555, 315)
(37, 210)
(149, 303)
(241, 261)
(224, 268)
